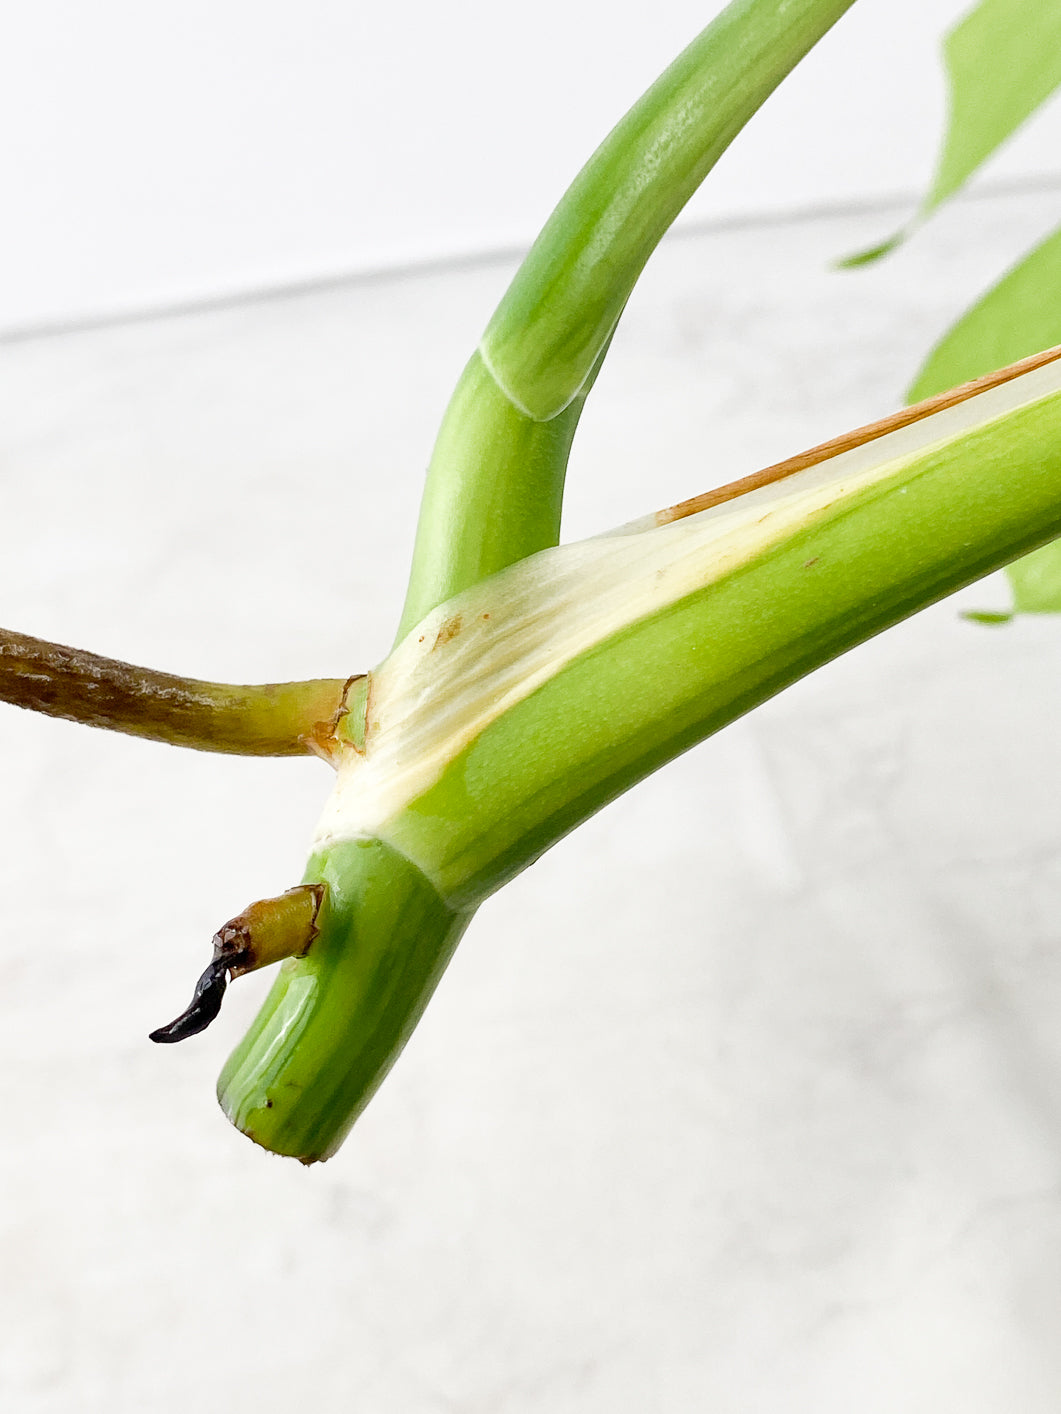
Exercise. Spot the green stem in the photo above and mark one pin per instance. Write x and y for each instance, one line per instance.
(449, 800)
(494, 491)
(647, 692)
(496, 479)
(337, 1018)
(568, 295)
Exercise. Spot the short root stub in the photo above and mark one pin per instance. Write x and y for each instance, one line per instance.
(264, 933)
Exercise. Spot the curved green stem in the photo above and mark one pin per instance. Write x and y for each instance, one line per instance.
(496, 480)
(568, 295)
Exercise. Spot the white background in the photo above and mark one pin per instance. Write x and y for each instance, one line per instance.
(155, 153)
(744, 1098)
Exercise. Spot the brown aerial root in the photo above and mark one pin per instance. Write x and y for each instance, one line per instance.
(265, 932)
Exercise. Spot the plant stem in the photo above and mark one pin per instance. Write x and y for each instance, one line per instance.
(860, 437)
(494, 491)
(568, 295)
(274, 719)
(265, 932)
(337, 1018)
(496, 479)
(835, 576)
(525, 704)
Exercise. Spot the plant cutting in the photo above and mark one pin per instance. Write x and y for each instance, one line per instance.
(531, 682)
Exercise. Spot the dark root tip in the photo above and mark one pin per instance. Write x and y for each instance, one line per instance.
(205, 1005)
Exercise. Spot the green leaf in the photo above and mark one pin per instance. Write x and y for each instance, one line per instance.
(1036, 581)
(1020, 316)
(1003, 60)
(875, 252)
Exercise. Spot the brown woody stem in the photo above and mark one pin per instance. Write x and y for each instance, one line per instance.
(274, 719)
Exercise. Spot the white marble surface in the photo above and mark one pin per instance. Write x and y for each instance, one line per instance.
(745, 1098)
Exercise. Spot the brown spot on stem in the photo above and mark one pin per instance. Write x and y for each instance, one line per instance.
(449, 630)
(323, 738)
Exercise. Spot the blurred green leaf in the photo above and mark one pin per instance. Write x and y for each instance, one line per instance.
(1003, 60)
(875, 252)
(1020, 316)
(1036, 581)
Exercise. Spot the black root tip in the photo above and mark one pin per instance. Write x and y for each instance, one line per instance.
(205, 1005)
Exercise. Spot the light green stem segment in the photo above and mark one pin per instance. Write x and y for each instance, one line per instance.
(570, 291)
(496, 479)
(494, 491)
(337, 1018)
(633, 700)
(640, 697)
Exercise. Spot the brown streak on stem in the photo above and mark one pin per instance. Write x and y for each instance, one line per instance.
(858, 438)
(273, 719)
(322, 739)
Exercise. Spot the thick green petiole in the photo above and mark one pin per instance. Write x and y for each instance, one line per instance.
(336, 1019)
(655, 686)
(568, 295)
(496, 479)
(494, 491)
(523, 705)
(531, 684)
